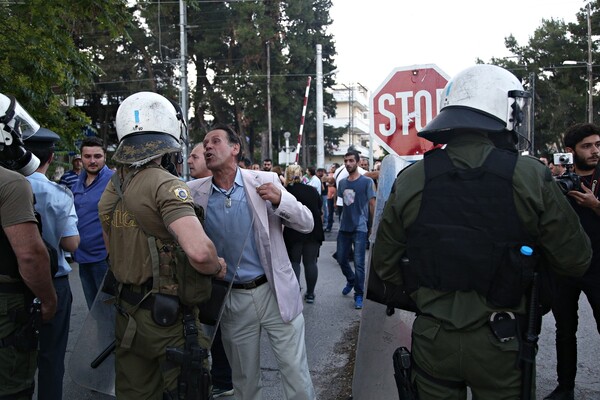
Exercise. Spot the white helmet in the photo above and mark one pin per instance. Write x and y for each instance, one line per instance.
(148, 126)
(482, 98)
(15, 125)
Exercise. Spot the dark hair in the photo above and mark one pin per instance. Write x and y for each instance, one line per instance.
(232, 136)
(268, 159)
(92, 141)
(353, 153)
(321, 170)
(576, 133)
(42, 152)
(311, 170)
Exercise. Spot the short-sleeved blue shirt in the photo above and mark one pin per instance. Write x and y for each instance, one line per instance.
(356, 196)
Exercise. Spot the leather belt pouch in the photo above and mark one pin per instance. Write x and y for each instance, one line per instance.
(165, 309)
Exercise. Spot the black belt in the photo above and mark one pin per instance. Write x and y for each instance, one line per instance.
(253, 284)
(61, 277)
(133, 294)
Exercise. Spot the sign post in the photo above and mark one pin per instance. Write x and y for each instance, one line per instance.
(403, 104)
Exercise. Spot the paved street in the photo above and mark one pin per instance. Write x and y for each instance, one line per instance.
(331, 329)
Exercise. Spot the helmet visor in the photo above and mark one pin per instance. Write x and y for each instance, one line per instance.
(521, 117)
(24, 122)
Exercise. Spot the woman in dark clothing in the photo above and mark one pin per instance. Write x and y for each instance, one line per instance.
(304, 246)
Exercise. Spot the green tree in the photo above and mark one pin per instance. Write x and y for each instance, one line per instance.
(42, 64)
(229, 51)
(560, 90)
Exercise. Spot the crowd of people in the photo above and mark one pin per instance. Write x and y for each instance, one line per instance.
(463, 233)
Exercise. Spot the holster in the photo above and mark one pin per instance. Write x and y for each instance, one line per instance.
(194, 380)
(407, 390)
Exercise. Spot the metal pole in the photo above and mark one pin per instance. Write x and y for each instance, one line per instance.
(589, 69)
(302, 120)
(183, 96)
(269, 99)
(320, 134)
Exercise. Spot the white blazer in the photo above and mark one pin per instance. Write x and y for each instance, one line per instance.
(268, 232)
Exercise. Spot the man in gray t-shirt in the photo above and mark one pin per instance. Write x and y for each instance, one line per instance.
(357, 192)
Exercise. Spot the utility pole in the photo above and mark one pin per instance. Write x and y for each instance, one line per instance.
(320, 134)
(589, 68)
(269, 99)
(183, 96)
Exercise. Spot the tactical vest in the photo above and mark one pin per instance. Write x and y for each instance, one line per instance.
(467, 235)
(172, 272)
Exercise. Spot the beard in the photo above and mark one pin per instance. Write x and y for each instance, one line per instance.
(581, 164)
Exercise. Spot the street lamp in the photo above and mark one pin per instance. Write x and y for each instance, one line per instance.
(319, 90)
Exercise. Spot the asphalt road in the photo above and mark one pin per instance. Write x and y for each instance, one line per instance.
(331, 328)
(331, 334)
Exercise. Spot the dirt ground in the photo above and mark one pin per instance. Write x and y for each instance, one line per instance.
(336, 383)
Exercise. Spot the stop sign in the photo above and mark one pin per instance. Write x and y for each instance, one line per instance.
(403, 104)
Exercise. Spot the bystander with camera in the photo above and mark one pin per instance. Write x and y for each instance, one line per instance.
(581, 187)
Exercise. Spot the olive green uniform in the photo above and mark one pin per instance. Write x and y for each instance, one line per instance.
(17, 368)
(153, 199)
(452, 339)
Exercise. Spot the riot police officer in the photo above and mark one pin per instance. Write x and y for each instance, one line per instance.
(466, 217)
(153, 235)
(25, 266)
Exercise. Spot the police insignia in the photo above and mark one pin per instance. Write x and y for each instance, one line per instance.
(181, 194)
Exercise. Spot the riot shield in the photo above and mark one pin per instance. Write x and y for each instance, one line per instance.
(380, 334)
(92, 363)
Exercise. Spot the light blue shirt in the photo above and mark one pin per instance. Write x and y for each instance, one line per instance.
(55, 205)
(230, 229)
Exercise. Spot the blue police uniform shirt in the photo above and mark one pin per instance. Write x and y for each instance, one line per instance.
(230, 229)
(55, 205)
(91, 247)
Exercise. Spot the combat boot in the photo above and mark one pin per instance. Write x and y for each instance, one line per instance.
(561, 393)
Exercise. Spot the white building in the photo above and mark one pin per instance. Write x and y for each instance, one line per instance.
(352, 113)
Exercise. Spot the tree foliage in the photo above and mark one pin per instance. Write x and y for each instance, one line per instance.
(561, 93)
(42, 62)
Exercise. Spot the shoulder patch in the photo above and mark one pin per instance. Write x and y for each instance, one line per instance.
(182, 194)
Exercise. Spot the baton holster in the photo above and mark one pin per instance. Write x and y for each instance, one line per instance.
(402, 359)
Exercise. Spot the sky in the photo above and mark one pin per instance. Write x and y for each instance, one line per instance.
(375, 36)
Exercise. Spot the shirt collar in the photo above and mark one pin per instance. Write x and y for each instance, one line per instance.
(239, 181)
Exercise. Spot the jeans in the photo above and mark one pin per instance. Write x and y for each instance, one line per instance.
(565, 309)
(91, 275)
(344, 245)
(330, 213)
(53, 344)
(325, 208)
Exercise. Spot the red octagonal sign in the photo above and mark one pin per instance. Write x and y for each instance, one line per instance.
(403, 104)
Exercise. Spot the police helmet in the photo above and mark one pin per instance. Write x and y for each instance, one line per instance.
(148, 126)
(482, 98)
(16, 123)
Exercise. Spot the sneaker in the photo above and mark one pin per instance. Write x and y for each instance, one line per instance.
(347, 289)
(310, 298)
(219, 392)
(561, 393)
(358, 302)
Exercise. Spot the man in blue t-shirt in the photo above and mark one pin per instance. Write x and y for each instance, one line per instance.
(358, 195)
(91, 254)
